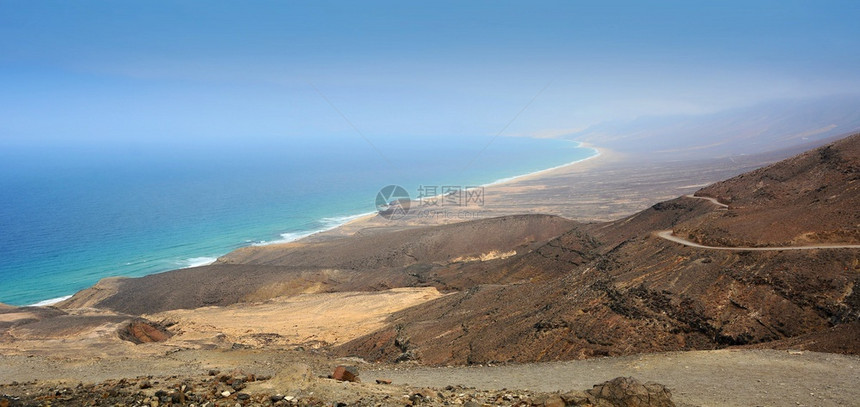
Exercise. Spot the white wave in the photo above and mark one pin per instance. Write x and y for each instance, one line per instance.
(508, 179)
(286, 238)
(336, 221)
(52, 301)
(198, 261)
(328, 224)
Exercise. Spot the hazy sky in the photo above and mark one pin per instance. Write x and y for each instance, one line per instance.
(188, 71)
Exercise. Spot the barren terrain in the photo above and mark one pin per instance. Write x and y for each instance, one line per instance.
(645, 295)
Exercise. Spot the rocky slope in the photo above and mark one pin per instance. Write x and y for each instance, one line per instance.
(621, 290)
(810, 198)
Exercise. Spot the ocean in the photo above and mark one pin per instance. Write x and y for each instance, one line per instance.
(72, 215)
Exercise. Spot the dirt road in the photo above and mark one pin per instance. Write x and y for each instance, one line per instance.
(700, 378)
(667, 234)
(703, 378)
(712, 200)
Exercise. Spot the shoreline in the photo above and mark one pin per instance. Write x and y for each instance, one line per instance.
(346, 221)
(598, 152)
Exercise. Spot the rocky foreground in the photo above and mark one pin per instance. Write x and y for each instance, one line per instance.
(231, 389)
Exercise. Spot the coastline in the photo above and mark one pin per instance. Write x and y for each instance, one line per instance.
(51, 301)
(537, 174)
(347, 225)
(369, 221)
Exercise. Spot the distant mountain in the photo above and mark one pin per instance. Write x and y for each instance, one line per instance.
(756, 129)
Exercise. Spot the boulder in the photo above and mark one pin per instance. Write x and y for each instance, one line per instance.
(345, 374)
(629, 392)
(141, 330)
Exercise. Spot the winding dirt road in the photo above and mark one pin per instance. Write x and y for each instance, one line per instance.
(667, 234)
(712, 200)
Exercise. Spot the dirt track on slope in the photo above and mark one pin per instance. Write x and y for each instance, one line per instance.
(667, 234)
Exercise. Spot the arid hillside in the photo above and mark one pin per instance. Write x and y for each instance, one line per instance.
(362, 263)
(621, 289)
(539, 288)
(810, 198)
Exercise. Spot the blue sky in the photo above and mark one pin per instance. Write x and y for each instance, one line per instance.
(115, 72)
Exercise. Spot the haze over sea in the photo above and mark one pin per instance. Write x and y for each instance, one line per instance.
(70, 218)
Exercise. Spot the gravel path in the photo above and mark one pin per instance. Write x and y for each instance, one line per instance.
(704, 378)
(712, 200)
(667, 234)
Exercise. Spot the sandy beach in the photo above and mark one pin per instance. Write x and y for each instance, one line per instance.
(606, 186)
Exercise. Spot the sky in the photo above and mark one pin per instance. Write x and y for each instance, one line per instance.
(191, 72)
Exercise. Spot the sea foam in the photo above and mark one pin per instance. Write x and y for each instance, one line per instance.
(198, 261)
(52, 301)
(328, 223)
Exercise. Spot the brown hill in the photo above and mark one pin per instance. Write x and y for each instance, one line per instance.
(448, 257)
(630, 291)
(810, 198)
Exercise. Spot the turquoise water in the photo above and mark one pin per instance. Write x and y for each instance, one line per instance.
(72, 216)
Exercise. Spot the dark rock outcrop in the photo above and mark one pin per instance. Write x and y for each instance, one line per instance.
(629, 392)
(141, 330)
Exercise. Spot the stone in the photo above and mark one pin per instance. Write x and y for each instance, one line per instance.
(576, 398)
(547, 400)
(553, 400)
(345, 374)
(225, 393)
(629, 392)
(428, 393)
(140, 331)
